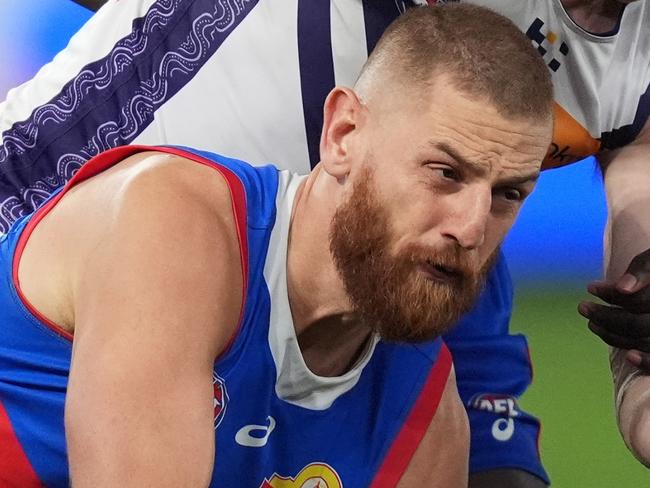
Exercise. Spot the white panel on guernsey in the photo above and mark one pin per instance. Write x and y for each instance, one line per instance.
(93, 41)
(349, 50)
(240, 104)
(596, 101)
(295, 383)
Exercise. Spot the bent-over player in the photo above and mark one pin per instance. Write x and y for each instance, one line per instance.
(310, 352)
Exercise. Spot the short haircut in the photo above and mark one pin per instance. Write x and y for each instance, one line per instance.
(485, 54)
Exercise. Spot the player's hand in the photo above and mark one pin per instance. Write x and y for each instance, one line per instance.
(625, 321)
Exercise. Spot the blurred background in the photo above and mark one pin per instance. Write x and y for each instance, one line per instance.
(554, 250)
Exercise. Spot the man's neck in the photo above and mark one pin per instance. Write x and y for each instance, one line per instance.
(595, 16)
(330, 337)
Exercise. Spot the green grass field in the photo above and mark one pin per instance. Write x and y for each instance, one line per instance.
(572, 394)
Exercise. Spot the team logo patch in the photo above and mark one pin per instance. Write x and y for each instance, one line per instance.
(220, 398)
(504, 406)
(552, 49)
(314, 475)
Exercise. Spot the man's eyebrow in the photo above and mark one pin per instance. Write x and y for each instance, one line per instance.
(478, 168)
(456, 156)
(520, 180)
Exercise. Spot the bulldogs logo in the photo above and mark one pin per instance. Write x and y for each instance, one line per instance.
(220, 398)
(314, 475)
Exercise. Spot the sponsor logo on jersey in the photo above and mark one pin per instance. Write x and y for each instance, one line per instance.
(505, 406)
(571, 141)
(255, 435)
(220, 398)
(314, 475)
(500, 404)
(552, 49)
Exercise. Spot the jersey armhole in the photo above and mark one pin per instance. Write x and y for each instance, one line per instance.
(106, 160)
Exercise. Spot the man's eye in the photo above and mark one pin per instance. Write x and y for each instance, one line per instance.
(450, 173)
(446, 172)
(513, 194)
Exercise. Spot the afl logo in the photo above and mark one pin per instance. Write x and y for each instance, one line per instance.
(505, 407)
(220, 398)
(314, 475)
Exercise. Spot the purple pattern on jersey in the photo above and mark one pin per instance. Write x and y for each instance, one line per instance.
(164, 50)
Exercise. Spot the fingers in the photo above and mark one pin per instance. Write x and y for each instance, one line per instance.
(625, 321)
(633, 302)
(620, 341)
(639, 359)
(618, 327)
(637, 275)
(617, 320)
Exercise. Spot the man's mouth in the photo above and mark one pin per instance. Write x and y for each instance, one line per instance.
(440, 272)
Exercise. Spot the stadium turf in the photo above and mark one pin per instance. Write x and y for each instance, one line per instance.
(572, 394)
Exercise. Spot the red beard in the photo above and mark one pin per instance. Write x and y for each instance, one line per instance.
(390, 293)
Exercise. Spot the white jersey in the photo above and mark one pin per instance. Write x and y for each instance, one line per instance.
(249, 107)
(601, 81)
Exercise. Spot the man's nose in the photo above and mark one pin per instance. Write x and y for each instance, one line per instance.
(467, 219)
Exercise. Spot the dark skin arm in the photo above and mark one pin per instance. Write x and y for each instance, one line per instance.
(624, 321)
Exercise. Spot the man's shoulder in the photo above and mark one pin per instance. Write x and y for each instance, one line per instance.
(151, 181)
(147, 198)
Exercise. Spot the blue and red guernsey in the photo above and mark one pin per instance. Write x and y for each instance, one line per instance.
(276, 423)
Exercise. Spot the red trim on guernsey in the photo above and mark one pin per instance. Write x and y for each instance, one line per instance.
(238, 199)
(407, 441)
(104, 161)
(15, 469)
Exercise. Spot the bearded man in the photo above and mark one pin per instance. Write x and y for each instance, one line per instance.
(311, 351)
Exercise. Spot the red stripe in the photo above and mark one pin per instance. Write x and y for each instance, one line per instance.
(104, 161)
(401, 452)
(15, 469)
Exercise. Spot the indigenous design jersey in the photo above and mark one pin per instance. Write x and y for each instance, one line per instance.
(277, 424)
(602, 82)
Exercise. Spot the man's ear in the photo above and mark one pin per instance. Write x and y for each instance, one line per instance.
(342, 117)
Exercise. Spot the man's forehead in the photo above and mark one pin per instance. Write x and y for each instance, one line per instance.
(518, 167)
(451, 105)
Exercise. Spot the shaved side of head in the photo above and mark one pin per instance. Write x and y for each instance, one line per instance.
(484, 53)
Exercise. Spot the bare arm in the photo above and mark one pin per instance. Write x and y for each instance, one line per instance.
(442, 458)
(627, 324)
(155, 303)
